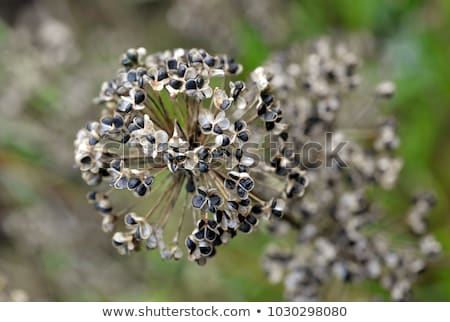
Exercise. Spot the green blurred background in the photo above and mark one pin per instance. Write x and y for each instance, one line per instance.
(54, 56)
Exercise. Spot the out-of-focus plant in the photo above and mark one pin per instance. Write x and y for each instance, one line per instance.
(341, 234)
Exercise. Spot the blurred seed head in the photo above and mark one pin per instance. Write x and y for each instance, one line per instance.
(341, 233)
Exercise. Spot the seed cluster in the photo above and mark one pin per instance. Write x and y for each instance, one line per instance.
(340, 231)
(171, 128)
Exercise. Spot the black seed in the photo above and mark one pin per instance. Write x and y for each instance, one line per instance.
(218, 217)
(139, 97)
(284, 136)
(141, 190)
(180, 157)
(172, 64)
(122, 183)
(210, 235)
(207, 127)
(233, 205)
(137, 234)
(225, 104)
(225, 141)
(217, 154)
(139, 121)
(230, 184)
(203, 167)
(201, 224)
(87, 159)
(118, 121)
(91, 195)
(126, 62)
(244, 202)
(175, 83)
(202, 192)
(295, 190)
(245, 227)
(125, 138)
(203, 153)
(191, 84)
(93, 141)
(90, 126)
(217, 129)
(141, 82)
(131, 76)
(239, 85)
(115, 164)
(267, 99)
(133, 183)
(190, 186)
(194, 59)
(151, 139)
(216, 242)
(162, 74)
(241, 192)
(200, 234)
(294, 176)
(270, 126)
(200, 82)
(206, 250)
(141, 72)
(103, 210)
(212, 223)
(233, 68)
(247, 183)
(214, 200)
(132, 54)
(181, 70)
(116, 243)
(124, 107)
(190, 245)
(350, 69)
(212, 209)
(252, 220)
(261, 109)
(149, 180)
(107, 121)
(233, 176)
(132, 127)
(168, 158)
(257, 209)
(301, 180)
(238, 125)
(173, 167)
(238, 154)
(331, 75)
(277, 213)
(243, 136)
(130, 220)
(242, 168)
(210, 61)
(281, 171)
(198, 201)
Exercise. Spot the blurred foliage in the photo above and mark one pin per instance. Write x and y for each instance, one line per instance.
(61, 253)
